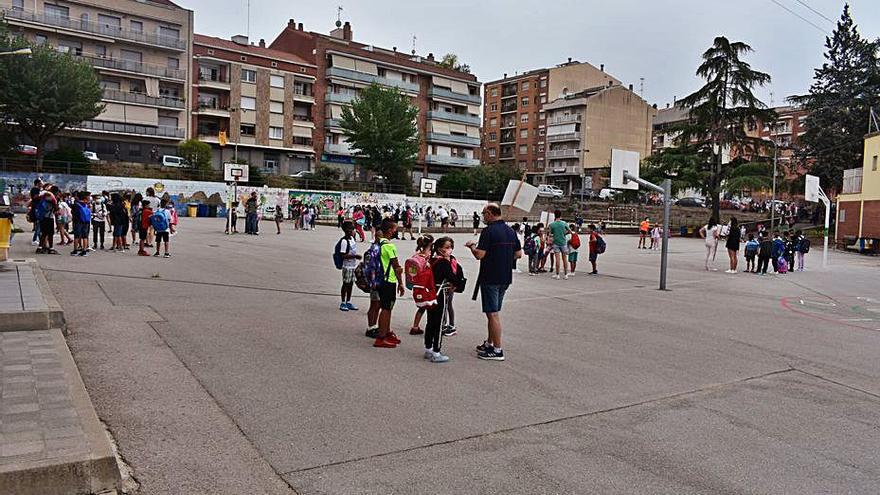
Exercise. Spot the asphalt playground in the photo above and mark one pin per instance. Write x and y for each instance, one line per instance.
(229, 369)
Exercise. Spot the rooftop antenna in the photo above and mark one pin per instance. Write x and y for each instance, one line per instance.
(873, 125)
(414, 45)
(339, 16)
(771, 99)
(249, 19)
(642, 87)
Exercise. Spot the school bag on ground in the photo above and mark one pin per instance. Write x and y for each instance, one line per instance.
(782, 265)
(575, 240)
(600, 244)
(338, 254)
(368, 275)
(159, 221)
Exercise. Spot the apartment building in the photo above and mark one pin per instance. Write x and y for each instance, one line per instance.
(559, 125)
(261, 99)
(448, 100)
(663, 130)
(858, 205)
(140, 50)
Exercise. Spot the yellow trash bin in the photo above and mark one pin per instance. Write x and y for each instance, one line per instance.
(191, 210)
(5, 231)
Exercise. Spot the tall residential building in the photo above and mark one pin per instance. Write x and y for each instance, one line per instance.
(261, 98)
(664, 133)
(140, 50)
(448, 100)
(560, 124)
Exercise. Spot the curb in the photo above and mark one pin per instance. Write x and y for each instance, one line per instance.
(43, 319)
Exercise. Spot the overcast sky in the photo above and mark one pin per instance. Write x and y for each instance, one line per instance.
(659, 40)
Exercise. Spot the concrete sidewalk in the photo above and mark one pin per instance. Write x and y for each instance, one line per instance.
(51, 441)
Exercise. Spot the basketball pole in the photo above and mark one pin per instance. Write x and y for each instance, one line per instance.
(666, 190)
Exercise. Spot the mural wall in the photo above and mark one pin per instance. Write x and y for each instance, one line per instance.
(18, 186)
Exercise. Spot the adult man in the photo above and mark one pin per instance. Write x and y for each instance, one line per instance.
(558, 230)
(497, 248)
(444, 218)
(382, 299)
(644, 227)
(250, 209)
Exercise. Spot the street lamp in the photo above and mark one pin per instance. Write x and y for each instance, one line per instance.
(20, 51)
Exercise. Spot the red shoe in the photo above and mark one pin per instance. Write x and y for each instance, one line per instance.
(390, 344)
(416, 331)
(392, 337)
(143, 253)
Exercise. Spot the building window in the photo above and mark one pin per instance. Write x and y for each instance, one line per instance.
(540, 148)
(270, 164)
(525, 101)
(168, 32)
(137, 26)
(131, 56)
(874, 163)
(248, 75)
(522, 164)
(523, 149)
(543, 83)
(540, 132)
(248, 103)
(210, 51)
(524, 118)
(101, 51)
(494, 136)
(543, 98)
(493, 122)
(493, 107)
(105, 84)
(541, 116)
(134, 149)
(17, 4)
(493, 91)
(491, 152)
(523, 133)
(274, 64)
(276, 81)
(56, 10)
(110, 22)
(173, 63)
(842, 216)
(248, 130)
(525, 86)
(276, 107)
(71, 47)
(276, 133)
(41, 39)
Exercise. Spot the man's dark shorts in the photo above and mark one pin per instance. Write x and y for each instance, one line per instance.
(492, 297)
(119, 230)
(81, 230)
(387, 296)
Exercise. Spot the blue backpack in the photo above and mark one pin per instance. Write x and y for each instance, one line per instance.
(338, 255)
(159, 221)
(368, 275)
(600, 244)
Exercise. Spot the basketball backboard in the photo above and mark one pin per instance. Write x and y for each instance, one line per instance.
(428, 186)
(621, 161)
(811, 193)
(520, 194)
(235, 172)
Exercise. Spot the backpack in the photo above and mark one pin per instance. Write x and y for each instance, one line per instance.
(531, 246)
(600, 244)
(415, 269)
(338, 255)
(575, 241)
(751, 248)
(368, 274)
(159, 221)
(782, 265)
(805, 245)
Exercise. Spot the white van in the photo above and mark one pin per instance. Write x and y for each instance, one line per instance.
(173, 161)
(550, 191)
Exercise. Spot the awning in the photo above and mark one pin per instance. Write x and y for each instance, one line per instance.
(299, 131)
(343, 62)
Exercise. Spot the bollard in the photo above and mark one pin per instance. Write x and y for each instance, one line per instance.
(5, 233)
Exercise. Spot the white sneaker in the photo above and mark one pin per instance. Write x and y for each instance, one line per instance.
(566, 276)
(555, 277)
(729, 271)
(429, 353)
(437, 357)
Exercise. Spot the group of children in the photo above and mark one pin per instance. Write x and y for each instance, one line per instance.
(432, 274)
(540, 245)
(51, 211)
(785, 252)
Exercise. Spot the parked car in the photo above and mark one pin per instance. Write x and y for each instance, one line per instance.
(693, 202)
(302, 174)
(549, 191)
(607, 194)
(26, 149)
(585, 193)
(91, 156)
(174, 161)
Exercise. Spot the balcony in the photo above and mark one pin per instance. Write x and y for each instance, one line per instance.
(564, 170)
(557, 154)
(135, 67)
(334, 123)
(506, 156)
(456, 161)
(462, 118)
(568, 136)
(564, 119)
(340, 98)
(214, 108)
(303, 96)
(508, 107)
(370, 78)
(142, 130)
(438, 92)
(338, 149)
(303, 120)
(142, 99)
(94, 28)
(452, 139)
(213, 82)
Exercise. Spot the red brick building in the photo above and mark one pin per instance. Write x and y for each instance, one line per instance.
(448, 100)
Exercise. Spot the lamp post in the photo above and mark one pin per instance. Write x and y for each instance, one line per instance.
(20, 51)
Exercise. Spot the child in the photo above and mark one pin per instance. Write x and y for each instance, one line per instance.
(161, 223)
(82, 219)
(172, 212)
(777, 250)
(448, 277)
(99, 220)
(751, 251)
(279, 217)
(534, 248)
(62, 218)
(765, 249)
(135, 214)
(423, 250)
(118, 221)
(145, 213)
(802, 247)
(349, 263)
(382, 298)
(656, 232)
(573, 247)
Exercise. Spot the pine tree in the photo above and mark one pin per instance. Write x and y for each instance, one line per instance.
(843, 91)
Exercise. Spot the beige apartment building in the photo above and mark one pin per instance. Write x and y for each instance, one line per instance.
(141, 51)
(261, 99)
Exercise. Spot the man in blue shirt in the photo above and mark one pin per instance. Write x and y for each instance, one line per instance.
(497, 249)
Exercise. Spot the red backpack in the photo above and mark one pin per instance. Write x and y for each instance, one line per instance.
(575, 241)
(420, 280)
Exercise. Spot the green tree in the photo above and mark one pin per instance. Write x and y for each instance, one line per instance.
(197, 154)
(721, 110)
(843, 91)
(489, 180)
(46, 92)
(380, 126)
(450, 61)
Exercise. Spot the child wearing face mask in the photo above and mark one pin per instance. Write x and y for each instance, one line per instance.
(448, 277)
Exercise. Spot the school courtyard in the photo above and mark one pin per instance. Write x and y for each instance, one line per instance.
(229, 369)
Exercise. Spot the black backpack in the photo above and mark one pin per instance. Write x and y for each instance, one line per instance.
(805, 245)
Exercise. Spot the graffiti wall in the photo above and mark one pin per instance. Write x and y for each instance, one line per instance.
(378, 199)
(327, 202)
(181, 192)
(18, 186)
